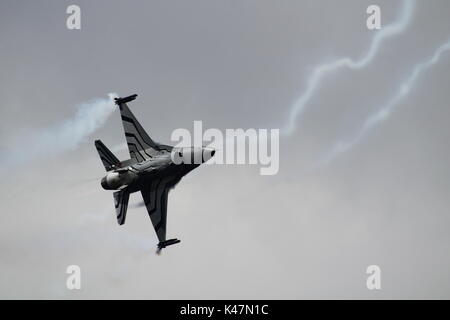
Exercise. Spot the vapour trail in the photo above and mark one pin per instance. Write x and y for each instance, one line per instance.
(323, 70)
(61, 137)
(385, 111)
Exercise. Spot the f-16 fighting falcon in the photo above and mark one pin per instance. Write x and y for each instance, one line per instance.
(153, 169)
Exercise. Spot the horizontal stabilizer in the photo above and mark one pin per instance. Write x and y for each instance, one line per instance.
(121, 203)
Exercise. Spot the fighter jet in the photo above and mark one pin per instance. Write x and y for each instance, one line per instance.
(153, 169)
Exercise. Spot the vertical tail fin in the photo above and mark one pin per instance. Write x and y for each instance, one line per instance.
(108, 158)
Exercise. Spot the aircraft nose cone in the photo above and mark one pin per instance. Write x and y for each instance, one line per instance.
(208, 153)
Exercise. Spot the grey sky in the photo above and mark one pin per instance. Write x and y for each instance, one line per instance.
(232, 64)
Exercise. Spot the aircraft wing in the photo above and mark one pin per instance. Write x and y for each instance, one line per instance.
(155, 198)
(140, 145)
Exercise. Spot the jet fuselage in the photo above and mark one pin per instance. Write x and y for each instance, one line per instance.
(135, 176)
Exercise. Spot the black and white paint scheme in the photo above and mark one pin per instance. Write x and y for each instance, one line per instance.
(151, 170)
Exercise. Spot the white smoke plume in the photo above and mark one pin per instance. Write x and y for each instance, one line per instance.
(385, 111)
(61, 137)
(321, 71)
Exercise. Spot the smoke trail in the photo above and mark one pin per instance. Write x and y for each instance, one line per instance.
(323, 70)
(384, 112)
(61, 137)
